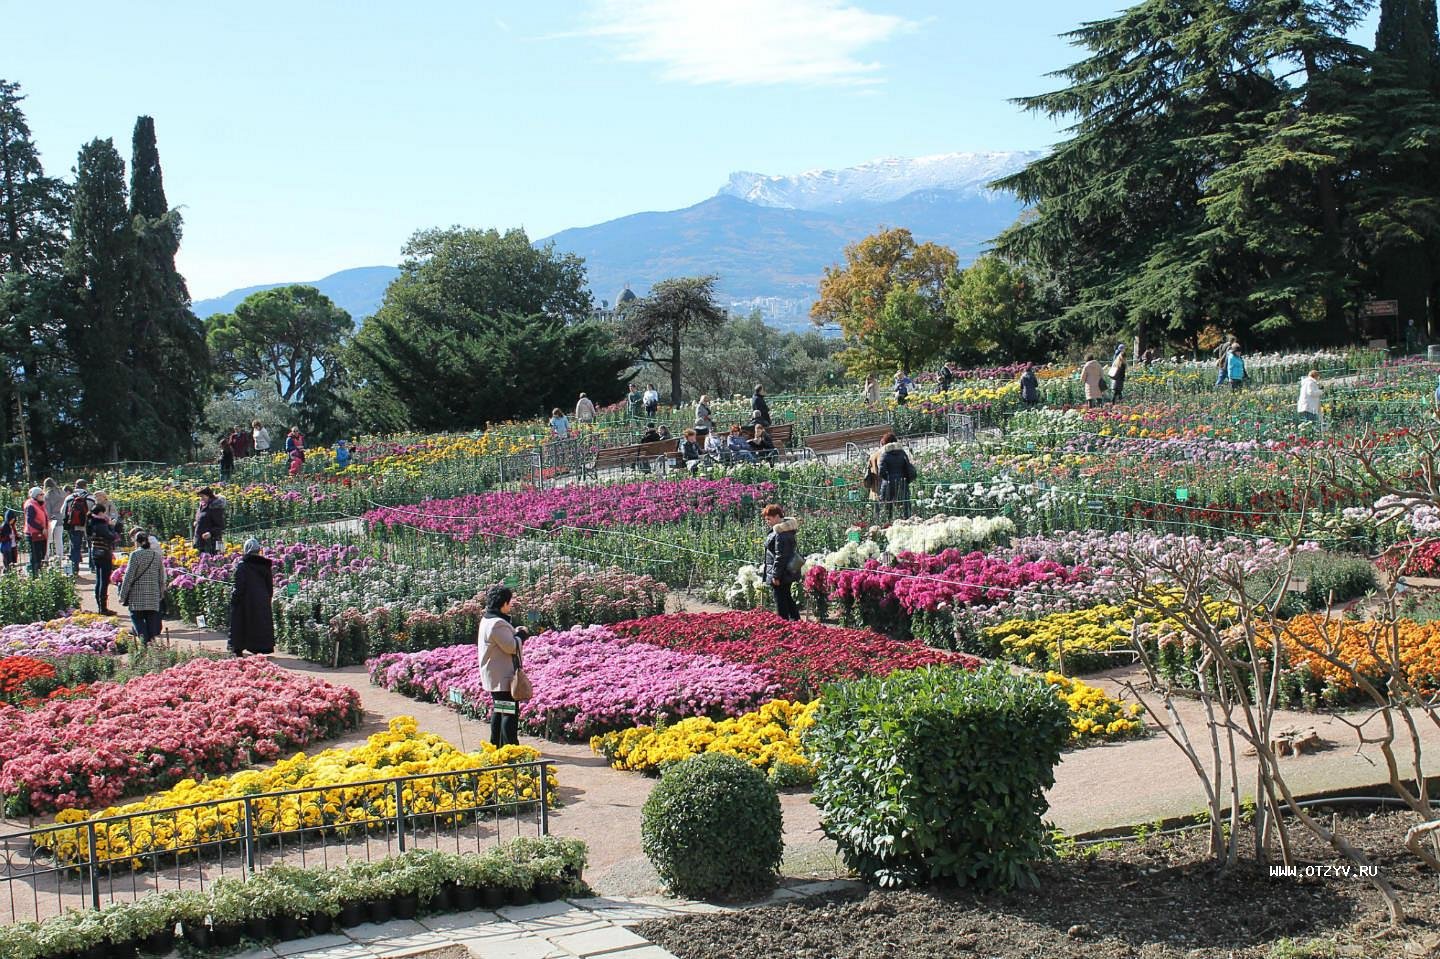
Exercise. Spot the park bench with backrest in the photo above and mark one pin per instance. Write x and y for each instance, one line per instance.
(632, 455)
(856, 441)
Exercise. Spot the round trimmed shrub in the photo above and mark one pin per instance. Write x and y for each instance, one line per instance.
(712, 828)
(938, 774)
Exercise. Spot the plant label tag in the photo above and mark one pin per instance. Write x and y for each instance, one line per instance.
(293, 589)
(1182, 494)
(506, 707)
(455, 697)
(853, 536)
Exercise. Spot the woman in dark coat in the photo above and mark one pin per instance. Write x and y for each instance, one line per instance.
(252, 623)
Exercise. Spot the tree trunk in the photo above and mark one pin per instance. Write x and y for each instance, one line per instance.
(675, 364)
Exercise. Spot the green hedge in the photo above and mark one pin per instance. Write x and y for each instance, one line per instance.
(938, 774)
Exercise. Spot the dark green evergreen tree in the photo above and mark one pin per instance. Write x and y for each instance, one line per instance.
(98, 264)
(1401, 195)
(479, 327)
(34, 209)
(1204, 179)
(168, 358)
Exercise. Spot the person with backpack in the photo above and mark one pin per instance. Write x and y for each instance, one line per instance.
(37, 528)
(75, 517)
(142, 588)
(782, 559)
(209, 523)
(103, 534)
(896, 472)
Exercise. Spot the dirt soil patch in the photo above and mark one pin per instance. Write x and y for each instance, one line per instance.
(1156, 899)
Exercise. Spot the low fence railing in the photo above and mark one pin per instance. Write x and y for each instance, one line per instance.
(92, 862)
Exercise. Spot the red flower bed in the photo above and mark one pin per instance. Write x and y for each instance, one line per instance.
(802, 656)
(1413, 559)
(16, 675)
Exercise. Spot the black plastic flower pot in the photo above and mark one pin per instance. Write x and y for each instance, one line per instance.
(198, 934)
(259, 928)
(405, 907)
(159, 943)
(289, 927)
(120, 950)
(227, 934)
(353, 914)
(549, 890)
(98, 951)
(465, 898)
(380, 910)
(521, 897)
(321, 923)
(444, 900)
(494, 897)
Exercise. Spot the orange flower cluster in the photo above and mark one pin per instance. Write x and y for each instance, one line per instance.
(1368, 646)
(16, 675)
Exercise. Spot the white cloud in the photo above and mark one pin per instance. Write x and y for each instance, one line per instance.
(747, 42)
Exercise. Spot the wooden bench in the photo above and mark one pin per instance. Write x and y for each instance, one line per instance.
(633, 455)
(860, 438)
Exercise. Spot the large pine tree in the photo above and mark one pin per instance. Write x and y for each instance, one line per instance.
(1203, 182)
(98, 262)
(33, 213)
(169, 361)
(1401, 215)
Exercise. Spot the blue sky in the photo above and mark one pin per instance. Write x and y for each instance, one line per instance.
(305, 137)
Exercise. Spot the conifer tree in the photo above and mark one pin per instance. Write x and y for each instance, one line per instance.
(33, 213)
(168, 358)
(98, 264)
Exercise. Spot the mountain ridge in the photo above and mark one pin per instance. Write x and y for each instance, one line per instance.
(768, 238)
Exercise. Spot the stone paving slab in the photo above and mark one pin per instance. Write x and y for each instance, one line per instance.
(588, 928)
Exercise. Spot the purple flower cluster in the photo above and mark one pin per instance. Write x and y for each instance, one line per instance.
(501, 514)
(41, 640)
(589, 680)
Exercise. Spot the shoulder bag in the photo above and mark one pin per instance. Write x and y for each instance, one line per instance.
(520, 687)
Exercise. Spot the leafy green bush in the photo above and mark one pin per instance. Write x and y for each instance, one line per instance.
(25, 600)
(711, 828)
(1334, 579)
(938, 774)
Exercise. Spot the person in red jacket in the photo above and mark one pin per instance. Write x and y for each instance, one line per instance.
(37, 528)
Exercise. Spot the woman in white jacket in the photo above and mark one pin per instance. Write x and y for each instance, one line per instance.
(1308, 404)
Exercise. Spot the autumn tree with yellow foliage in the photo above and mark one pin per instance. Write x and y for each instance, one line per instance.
(889, 301)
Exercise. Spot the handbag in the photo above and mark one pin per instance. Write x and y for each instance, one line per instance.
(520, 688)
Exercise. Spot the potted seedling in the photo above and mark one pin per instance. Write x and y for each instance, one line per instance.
(151, 922)
(193, 910)
(445, 871)
(229, 907)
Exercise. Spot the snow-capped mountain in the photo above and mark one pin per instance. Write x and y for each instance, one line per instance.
(879, 181)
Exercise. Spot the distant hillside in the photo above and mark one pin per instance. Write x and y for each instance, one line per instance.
(761, 251)
(768, 238)
(358, 292)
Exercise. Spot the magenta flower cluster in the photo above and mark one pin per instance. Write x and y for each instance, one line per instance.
(506, 515)
(294, 562)
(204, 716)
(920, 582)
(589, 680)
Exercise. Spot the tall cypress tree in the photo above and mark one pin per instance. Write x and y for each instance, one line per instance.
(34, 209)
(1402, 217)
(98, 263)
(168, 357)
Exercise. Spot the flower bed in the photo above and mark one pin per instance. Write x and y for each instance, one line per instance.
(587, 681)
(1311, 681)
(67, 636)
(800, 656)
(917, 594)
(768, 738)
(201, 717)
(26, 600)
(1094, 715)
(500, 515)
(402, 750)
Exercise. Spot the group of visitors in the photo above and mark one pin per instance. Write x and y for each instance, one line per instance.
(1230, 365)
(239, 443)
